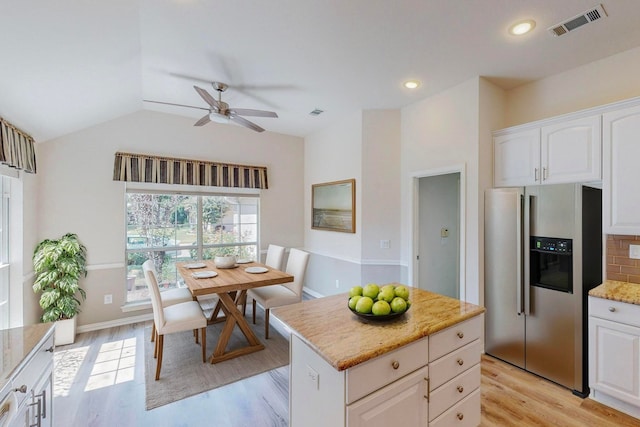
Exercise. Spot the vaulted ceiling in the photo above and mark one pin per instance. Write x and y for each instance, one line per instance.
(69, 64)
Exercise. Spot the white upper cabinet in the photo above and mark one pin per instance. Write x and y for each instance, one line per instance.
(562, 151)
(516, 158)
(621, 171)
(570, 151)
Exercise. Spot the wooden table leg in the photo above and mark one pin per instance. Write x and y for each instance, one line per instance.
(233, 317)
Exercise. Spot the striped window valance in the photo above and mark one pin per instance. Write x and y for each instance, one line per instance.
(17, 148)
(165, 170)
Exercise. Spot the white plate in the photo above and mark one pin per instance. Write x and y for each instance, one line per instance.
(244, 261)
(256, 270)
(204, 274)
(195, 265)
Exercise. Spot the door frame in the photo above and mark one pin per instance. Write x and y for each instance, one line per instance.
(415, 222)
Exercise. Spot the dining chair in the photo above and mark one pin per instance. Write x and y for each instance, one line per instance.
(170, 296)
(178, 317)
(275, 256)
(287, 293)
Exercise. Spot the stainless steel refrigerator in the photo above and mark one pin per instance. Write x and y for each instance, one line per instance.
(543, 253)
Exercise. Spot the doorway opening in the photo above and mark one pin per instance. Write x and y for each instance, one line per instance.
(438, 235)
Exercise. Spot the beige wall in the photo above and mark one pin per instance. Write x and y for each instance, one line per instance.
(76, 192)
(601, 82)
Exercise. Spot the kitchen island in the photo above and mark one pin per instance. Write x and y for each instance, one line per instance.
(422, 368)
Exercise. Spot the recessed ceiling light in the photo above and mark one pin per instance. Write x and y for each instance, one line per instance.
(411, 84)
(522, 27)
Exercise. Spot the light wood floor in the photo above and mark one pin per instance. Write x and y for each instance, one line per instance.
(100, 382)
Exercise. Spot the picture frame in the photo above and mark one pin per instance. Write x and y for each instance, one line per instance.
(333, 206)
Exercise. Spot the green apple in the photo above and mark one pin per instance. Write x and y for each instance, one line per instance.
(353, 301)
(398, 305)
(356, 290)
(364, 305)
(402, 292)
(386, 295)
(371, 290)
(380, 308)
(392, 287)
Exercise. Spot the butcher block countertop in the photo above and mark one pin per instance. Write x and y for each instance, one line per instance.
(344, 340)
(618, 291)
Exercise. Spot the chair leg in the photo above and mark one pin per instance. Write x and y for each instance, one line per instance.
(160, 340)
(153, 332)
(203, 332)
(254, 312)
(195, 334)
(266, 323)
(155, 345)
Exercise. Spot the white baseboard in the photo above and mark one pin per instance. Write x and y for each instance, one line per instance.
(114, 323)
(311, 292)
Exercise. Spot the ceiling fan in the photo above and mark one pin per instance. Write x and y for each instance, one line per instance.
(219, 111)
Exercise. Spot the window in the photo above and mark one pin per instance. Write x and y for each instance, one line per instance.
(5, 188)
(170, 228)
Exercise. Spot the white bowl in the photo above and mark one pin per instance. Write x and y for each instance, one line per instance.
(227, 261)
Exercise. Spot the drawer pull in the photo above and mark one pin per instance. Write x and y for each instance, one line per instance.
(612, 309)
(50, 349)
(460, 334)
(460, 362)
(21, 389)
(395, 364)
(460, 416)
(460, 389)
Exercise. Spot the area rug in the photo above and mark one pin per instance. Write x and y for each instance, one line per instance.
(183, 374)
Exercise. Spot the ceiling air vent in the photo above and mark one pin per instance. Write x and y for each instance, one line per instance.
(578, 21)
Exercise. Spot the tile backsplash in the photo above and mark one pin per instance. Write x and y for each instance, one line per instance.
(619, 265)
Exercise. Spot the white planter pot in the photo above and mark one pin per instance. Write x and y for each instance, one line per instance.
(65, 332)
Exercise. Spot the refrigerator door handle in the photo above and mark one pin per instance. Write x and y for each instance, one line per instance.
(519, 260)
(529, 207)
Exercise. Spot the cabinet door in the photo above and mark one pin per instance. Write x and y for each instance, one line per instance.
(516, 159)
(401, 403)
(614, 359)
(570, 151)
(621, 171)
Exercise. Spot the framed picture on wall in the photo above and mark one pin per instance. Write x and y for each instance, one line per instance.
(333, 206)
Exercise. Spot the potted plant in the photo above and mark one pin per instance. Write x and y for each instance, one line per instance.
(58, 266)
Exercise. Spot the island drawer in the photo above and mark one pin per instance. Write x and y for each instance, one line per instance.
(454, 337)
(465, 414)
(616, 311)
(445, 368)
(455, 390)
(374, 374)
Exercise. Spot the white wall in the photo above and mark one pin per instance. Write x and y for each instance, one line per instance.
(76, 191)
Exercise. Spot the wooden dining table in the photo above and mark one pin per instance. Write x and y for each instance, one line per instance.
(230, 285)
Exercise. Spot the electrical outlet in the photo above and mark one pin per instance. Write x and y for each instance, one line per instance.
(634, 251)
(385, 244)
(108, 299)
(337, 284)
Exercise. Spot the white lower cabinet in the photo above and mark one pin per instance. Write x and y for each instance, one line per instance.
(432, 381)
(614, 354)
(401, 403)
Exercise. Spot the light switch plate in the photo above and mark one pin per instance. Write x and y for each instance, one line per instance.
(634, 251)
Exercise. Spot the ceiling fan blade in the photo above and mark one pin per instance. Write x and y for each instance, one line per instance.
(246, 123)
(254, 113)
(207, 97)
(177, 105)
(203, 121)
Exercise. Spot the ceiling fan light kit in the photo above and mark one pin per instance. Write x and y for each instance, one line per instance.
(219, 111)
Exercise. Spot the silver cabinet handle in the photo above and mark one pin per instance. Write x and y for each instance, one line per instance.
(544, 174)
(535, 174)
(460, 334)
(21, 389)
(50, 349)
(460, 389)
(395, 364)
(460, 416)
(612, 309)
(460, 362)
